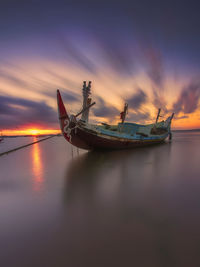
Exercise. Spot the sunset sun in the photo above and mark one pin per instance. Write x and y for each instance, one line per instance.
(34, 131)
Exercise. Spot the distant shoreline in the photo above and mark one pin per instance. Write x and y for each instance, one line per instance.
(44, 135)
(189, 130)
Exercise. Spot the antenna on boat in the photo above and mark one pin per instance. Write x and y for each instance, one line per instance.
(124, 112)
(170, 133)
(158, 115)
(86, 100)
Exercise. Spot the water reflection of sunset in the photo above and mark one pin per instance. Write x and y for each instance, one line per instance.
(38, 179)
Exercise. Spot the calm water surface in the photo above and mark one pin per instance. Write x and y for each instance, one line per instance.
(124, 208)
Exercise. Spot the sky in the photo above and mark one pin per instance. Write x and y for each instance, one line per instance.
(145, 53)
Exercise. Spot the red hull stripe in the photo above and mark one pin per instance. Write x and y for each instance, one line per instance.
(61, 108)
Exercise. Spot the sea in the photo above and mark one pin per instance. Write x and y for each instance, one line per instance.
(65, 207)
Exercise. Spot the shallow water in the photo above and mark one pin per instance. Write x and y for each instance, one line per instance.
(139, 207)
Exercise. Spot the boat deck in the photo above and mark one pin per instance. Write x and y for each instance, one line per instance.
(130, 131)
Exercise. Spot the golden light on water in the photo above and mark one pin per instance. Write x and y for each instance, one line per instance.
(38, 179)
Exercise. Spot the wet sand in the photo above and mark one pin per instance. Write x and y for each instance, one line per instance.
(122, 208)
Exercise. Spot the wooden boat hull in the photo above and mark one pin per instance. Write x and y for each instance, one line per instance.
(79, 135)
(87, 140)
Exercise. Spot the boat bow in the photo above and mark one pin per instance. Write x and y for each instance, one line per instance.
(69, 125)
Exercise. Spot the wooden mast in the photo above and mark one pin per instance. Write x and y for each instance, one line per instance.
(86, 101)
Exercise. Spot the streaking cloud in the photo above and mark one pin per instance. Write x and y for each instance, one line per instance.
(138, 99)
(188, 100)
(18, 112)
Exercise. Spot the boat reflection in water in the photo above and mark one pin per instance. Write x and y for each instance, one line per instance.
(107, 172)
(38, 179)
(114, 200)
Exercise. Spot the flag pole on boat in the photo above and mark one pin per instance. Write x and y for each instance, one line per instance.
(170, 133)
(124, 113)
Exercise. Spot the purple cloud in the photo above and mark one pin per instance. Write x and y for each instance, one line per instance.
(16, 112)
(138, 117)
(137, 99)
(188, 100)
(103, 110)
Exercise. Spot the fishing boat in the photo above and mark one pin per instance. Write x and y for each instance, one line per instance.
(82, 134)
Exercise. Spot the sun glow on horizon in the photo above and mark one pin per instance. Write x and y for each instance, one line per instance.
(30, 131)
(33, 131)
